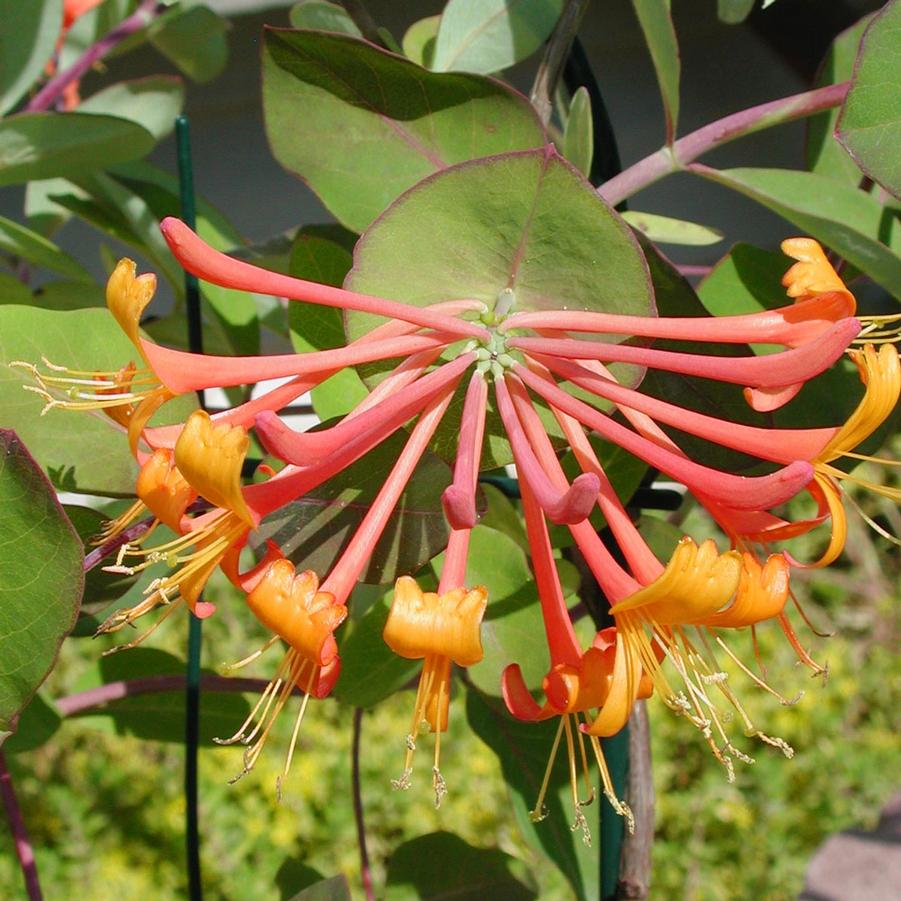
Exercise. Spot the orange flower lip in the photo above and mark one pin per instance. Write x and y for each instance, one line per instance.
(423, 624)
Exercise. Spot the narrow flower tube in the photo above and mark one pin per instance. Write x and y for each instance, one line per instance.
(791, 326)
(282, 395)
(772, 371)
(182, 372)
(344, 575)
(573, 504)
(294, 607)
(459, 498)
(201, 260)
(740, 492)
(381, 420)
(776, 445)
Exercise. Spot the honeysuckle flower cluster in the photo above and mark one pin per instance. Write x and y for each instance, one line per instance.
(672, 618)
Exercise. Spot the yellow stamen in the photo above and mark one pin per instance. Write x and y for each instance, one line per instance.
(440, 631)
(192, 570)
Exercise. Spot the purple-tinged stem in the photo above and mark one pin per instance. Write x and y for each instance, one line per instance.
(671, 159)
(97, 555)
(24, 851)
(139, 19)
(83, 701)
(365, 872)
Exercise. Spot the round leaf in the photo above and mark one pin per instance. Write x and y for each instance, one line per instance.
(524, 220)
(870, 122)
(41, 578)
(489, 35)
(375, 123)
(44, 145)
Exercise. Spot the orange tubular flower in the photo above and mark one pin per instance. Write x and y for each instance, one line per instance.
(207, 461)
(441, 630)
(699, 591)
(296, 610)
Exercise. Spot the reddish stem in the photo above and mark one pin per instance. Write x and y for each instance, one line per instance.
(365, 873)
(139, 19)
(83, 701)
(24, 851)
(670, 159)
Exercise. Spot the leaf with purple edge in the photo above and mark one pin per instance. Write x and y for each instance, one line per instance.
(41, 578)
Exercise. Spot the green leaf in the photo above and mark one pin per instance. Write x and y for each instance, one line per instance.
(193, 38)
(313, 530)
(332, 889)
(523, 220)
(27, 40)
(502, 516)
(849, 221)
(320, 15)
(44, 145)
(419, 41)
(159, 190)
(319, 328)
(36, 725)
(370, 670)
(14, 291)
(825, 155)
(160, 716)
(657, 24)
(152, 103)
(130, 218)
(41, 577)
(65, 295)
(666, 230)
(36, 249)
(442, 865)
(374, 123)
(734, 11)
(748, 279)
(869, 125)
(578, 139)
(66, 444)
(523, 750)
(81, 451)
(488, 35)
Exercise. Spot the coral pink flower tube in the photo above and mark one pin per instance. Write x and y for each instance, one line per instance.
(308, 448)
(777, 370)
(459, 498)
(571, 505)
(198, 258)
(776, 445)
(741, 492)
(790, 325)
(183, 372)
